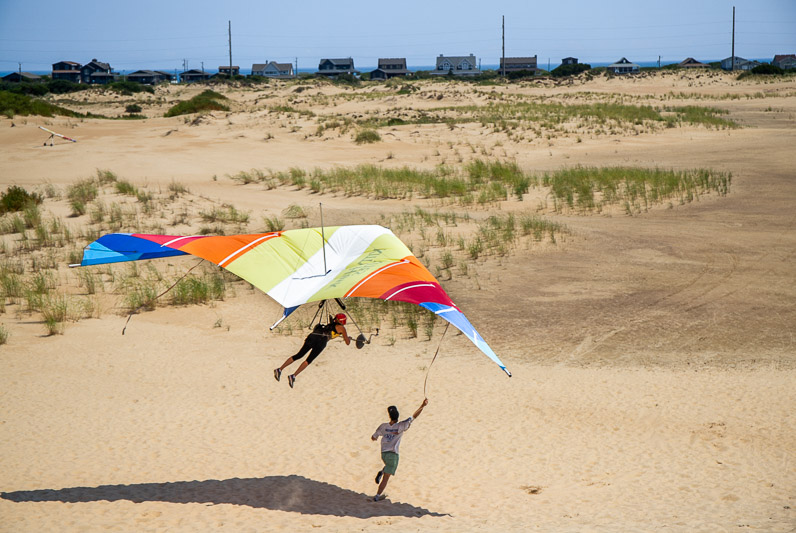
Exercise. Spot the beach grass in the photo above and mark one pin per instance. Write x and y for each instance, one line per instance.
(590, 188)
(198, 290)
(706, 116)
(54, 311)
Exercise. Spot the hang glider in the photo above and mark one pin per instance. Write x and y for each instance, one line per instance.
(295, 267)
(53, 134)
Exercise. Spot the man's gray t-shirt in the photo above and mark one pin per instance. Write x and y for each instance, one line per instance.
(391, 434)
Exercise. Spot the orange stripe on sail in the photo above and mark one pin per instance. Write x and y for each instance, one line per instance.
(218, 249)
(390, 276)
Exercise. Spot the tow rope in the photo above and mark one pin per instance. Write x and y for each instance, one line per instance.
(425, 382)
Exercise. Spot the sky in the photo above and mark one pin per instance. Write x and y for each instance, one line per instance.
(170, 34)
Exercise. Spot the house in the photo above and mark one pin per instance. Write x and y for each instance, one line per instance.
(390, 67)
(690, 62)
(66, 70)
(96, 72)
(623, 66)
(103, 78)
(16, 77)
(517, 64)
(785, 61)
(457, 65)
(224, 70)
(569, 61)
(193, 75)
(149, 77)
(335, 67)
(272, 69)
(740, 63)
(166, 76)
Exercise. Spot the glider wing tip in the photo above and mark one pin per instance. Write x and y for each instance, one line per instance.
(507, 372)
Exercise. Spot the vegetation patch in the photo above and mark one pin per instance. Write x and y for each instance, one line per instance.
(367, 136)
(706, 116)
(16, 199)
(592, 188)
(205, 101)
(12, 104)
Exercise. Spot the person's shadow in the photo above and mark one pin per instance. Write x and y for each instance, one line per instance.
(280, 493)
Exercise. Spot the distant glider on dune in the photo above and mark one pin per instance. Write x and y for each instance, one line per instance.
(53, 134)
(300, 266)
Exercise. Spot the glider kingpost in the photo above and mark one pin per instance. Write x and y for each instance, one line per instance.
(295, 267)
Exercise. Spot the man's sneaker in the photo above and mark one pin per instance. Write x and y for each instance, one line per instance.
(378, 497)
(291, 379)
(277, 373)
(378, 476)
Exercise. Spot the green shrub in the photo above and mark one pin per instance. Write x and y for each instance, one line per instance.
(204, 101)
(3, 335)
(65, 86)
(569, 70)
(16, 199)
(132, 108)
(768, 70)
(367, 136)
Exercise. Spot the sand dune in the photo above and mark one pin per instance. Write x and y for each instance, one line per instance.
(652, 355)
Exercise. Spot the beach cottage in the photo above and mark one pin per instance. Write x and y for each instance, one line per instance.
(456, 65)
(518, 64)
(16, 77)
(194, 75)
(690, 62)
(623, 66)
(569, 61)
(66, 70)
(97, 72)
(390, 67)
(273, 69)
(149, 77)
(334, 67)
(224, 70)
(740, 63)
(785, 61)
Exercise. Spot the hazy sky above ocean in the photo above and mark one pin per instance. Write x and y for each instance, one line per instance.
(138, 34)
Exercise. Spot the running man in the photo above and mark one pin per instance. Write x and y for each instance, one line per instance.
(314, 344)
(391, 434)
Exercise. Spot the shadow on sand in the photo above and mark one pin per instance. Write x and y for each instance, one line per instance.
(280, 493)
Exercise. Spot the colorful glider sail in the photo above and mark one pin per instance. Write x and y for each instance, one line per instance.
(295, 267)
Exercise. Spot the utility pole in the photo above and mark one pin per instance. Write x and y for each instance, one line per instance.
(230, 49)
(295, 74)
(659, 61)
(184, 65)
(20, 68)
(732, 57)
(503, 56)
(203, 67)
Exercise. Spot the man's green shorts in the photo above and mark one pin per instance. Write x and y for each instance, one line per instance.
(390, 462)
